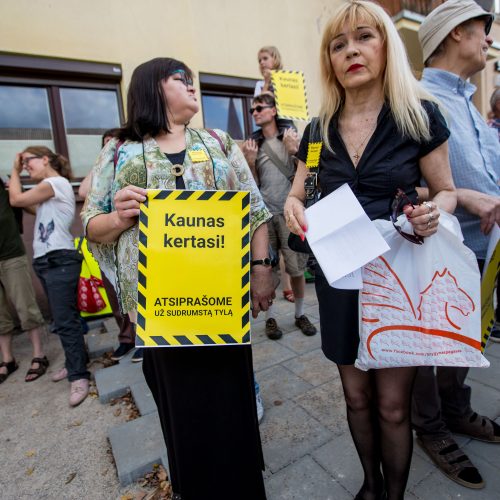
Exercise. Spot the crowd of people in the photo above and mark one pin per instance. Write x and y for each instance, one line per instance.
(381, 131)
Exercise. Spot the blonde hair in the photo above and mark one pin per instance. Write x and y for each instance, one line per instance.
(274, 53)
(401, 89)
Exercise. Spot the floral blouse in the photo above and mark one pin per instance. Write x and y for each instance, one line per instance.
(144, 165)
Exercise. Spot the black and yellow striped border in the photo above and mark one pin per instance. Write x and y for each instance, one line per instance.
(178, 340)
(278, 106)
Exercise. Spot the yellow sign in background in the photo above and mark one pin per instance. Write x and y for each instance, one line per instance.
(194, 268)
(290, 94)
(488, 287)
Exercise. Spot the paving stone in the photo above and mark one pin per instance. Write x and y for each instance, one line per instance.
(485, 400)
(492, 350)
(488, 376)
(312, 312)
(99, 343)
(340, 459)
(304, 479)
(270, 353)
(301, 343)
(137, 446)
(288, 433)
(143, 398)
(438, 486)
(326, 403)
(116, 380)
(312, 367)
(420, 470)
(111, 325)
(279, 384)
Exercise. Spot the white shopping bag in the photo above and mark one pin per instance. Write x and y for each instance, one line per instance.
(420, 304)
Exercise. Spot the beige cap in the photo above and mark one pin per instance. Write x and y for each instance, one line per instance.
(438, 24)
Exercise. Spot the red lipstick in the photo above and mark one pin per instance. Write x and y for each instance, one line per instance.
(354, 67)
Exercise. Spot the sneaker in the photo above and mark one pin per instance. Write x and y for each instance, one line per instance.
(306, 327)
(272, 330)
(495, 332)
(452, 462)
(137, 356)
(59, 375)
(121, 351)
(79, 391)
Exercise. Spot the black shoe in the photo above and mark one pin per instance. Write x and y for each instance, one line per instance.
(121, 351)
(272, 330)
(137, 356)
(306, 327)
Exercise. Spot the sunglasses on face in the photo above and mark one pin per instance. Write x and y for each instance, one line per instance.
(25, 161)
(400, 201)
(258, 109)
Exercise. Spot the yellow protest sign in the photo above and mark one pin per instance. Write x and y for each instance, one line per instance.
(488, 287)
(290, 93)
(194, 281)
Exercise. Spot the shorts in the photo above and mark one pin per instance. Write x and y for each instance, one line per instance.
(16, 287)
(295, 263)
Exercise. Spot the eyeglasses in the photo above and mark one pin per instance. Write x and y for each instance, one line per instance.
(400, 201)
(258, 109)
(25, 161)
(186, 80)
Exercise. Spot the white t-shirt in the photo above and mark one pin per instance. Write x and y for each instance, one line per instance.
(54, 218)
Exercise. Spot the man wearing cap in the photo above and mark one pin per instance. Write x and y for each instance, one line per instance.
(454, 39)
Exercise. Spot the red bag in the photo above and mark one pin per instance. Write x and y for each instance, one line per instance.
(89, 297)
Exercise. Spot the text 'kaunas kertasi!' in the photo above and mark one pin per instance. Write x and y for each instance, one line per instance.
(174, 220)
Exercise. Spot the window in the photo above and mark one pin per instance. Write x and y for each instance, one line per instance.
(226, 102)
(64, 105)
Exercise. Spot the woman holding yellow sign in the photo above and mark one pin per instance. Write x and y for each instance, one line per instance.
(380, 131)
(205, 395)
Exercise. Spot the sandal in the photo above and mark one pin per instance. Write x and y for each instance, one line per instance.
(477, 427)
(11, 366)
(452, 462)
(43, 364)
(288, 295)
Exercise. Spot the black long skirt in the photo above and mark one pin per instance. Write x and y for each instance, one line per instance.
(206, 403)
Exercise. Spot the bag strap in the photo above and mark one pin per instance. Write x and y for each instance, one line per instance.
(79, 247)
(277, 161)
(215, 135)
(115, 156)
(314, 147)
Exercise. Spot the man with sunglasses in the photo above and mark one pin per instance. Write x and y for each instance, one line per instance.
(455, 41)
(270, 154)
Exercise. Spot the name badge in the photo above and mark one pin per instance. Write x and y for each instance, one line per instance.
(198, 156)
(313, 154)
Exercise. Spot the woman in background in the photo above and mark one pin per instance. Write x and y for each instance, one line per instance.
(55, 260)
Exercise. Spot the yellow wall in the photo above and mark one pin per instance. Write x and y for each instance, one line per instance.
(212, 36)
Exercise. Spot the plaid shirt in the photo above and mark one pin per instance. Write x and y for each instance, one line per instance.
(474, 149)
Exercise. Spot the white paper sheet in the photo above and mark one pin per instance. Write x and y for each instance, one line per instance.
(342, 237)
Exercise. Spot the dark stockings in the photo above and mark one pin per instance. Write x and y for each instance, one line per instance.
(378, 413)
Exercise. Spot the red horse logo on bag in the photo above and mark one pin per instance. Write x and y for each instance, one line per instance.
(387, 308)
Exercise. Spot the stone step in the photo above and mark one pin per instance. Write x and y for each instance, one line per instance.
(137, 446)
(98, 343)
(116, 380)
(143, 398)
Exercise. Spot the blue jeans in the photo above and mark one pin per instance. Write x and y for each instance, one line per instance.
(59, 272)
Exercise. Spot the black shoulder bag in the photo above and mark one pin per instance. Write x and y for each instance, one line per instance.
(310, 183)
